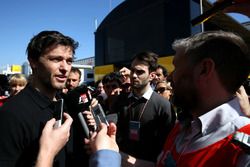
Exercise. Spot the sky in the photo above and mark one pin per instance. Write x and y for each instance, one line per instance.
(20, 20)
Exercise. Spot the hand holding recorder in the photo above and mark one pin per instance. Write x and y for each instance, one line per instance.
(105, 138)
(94, 117)
(53, 140)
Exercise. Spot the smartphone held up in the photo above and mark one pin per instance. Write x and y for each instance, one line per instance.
(58, 112)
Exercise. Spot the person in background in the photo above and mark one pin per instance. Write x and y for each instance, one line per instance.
(112, 87)
(22, 117)
(125, 73)
(111, 83)
(161, 74)
(17, 83)
(100, 93)
(74, 78)
(126, 84)
(164, 89)
(144, 117)
(78, 101)
(77, 98)
(99, 87)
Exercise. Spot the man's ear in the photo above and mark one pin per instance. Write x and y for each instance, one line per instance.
(206, 67)
(33, 63)
(152, 75)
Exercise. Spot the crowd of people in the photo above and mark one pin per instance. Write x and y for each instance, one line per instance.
(185, 118)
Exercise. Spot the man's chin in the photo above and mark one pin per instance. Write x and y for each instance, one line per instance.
(59, 86)
(135, 86)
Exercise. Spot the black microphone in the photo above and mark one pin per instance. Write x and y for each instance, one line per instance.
(79, 100)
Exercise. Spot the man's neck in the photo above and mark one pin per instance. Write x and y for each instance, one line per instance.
(140, 92)
(50, 93)
(206, 107)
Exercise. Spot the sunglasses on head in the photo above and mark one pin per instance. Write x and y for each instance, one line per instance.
(161, 90)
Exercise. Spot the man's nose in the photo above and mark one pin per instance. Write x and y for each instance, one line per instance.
(64, 65)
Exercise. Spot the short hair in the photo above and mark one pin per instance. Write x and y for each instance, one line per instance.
(46, 41)
(148, 58)
(228, 51)
(113, 76)
(76, 70)
(167, 84)
(17, 79)
(164, 70)
(98, 82)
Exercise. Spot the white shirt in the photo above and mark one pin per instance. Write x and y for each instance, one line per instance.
(146, 95)
(212, 127)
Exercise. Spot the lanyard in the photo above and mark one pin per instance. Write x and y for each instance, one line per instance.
(140, 113)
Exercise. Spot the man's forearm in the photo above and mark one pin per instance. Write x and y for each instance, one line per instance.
(44, 159)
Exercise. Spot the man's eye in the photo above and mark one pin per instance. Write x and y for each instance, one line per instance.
(69, 62)
(56, 60)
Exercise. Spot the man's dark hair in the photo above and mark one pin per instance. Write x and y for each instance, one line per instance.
(97, 82)
(76, 70)
(46, 41)
(148, 58)
(164, 70)
(228, 51)
(113, 76)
